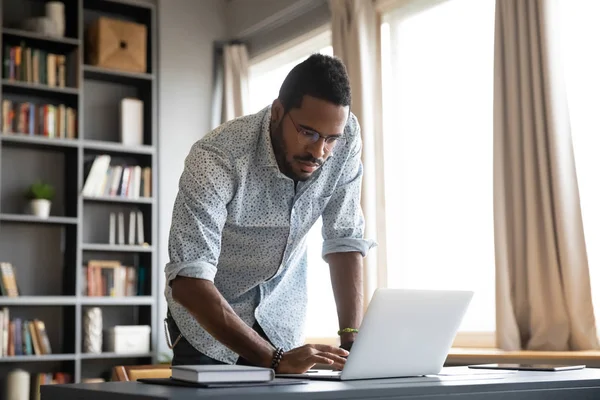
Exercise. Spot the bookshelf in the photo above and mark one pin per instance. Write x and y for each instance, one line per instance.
(50, 255)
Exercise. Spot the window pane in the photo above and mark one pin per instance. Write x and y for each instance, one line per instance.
(580, 36)
(322, 317)
(264, 85)
(438, 135)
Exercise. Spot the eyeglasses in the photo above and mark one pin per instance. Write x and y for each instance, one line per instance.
(307, 136)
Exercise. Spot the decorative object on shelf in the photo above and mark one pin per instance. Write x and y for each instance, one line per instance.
(55, 11)
(40, 197)
(18, 385)
(132, 122)
(92, 330)
(126, 339)
(42, 25)
(117, 44)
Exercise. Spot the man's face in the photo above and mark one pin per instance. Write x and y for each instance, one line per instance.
(298, 154)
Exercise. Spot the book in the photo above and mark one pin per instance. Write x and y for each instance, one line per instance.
(221, 373)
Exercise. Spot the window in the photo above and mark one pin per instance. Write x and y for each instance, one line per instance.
(580, 37)
(438, 136)
(265, 78)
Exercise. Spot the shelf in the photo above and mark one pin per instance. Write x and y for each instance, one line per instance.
(22, 139)
(38, 358)
(118, 301)
(101, 356)
(37, 220)
(116, 199)
(38, 301)
(116, 76)
(39, 39)
(116, 247)
(27, 88)
(112, 147)
(77, 231)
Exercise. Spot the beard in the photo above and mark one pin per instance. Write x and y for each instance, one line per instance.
(282, 157)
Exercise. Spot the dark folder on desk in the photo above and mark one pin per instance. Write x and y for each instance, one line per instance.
(175, 382)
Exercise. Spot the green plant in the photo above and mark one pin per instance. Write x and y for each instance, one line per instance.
(40, 191)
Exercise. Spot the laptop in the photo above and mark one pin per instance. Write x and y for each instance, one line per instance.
(404, 333)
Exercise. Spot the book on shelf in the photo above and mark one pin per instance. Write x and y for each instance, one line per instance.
(22, 337)
(48, 120)
(126, 181)
(8, 280)
(110, 278)
(116, 229)
(33, 65)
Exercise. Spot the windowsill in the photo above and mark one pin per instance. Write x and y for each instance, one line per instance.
(331, 341)
(466, 356)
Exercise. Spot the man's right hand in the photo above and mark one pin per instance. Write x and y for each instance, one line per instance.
(301, 359)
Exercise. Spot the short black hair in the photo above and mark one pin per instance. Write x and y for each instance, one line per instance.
(320, 76)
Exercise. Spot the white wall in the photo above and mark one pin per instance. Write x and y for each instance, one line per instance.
(187, 30)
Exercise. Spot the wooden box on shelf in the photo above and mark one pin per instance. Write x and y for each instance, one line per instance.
(117, 44)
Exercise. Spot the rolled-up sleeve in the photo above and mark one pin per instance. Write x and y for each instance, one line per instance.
(199, 214)
(343, 220)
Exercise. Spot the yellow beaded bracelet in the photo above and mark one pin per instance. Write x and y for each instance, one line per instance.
(347, 330)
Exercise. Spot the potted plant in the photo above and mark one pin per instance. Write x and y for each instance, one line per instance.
(40, 197)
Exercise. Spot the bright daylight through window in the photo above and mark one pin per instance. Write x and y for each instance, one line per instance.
(266, 77)
(438, 135)
(580, 34)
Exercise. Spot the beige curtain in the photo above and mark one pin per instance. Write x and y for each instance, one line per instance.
(355, 39)
(235, 82)
(542, 280)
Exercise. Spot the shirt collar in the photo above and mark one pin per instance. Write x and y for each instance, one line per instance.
(265, 153)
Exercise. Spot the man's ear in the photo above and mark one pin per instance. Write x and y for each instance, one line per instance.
(276, 112)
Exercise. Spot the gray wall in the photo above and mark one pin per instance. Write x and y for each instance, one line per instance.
(187, 30)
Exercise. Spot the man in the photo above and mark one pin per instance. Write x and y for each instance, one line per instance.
(249, 193)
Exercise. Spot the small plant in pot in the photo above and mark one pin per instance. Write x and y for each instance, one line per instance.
(40, 197)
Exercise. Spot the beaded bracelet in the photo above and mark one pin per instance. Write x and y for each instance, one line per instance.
(347, 330)
(277, 358)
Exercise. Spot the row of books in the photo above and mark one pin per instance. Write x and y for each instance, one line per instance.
(110, 278)
(19, 337)
(27, 64)
(49, 120)
(129, 181)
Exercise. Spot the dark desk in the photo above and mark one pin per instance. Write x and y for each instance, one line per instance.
(572, 385)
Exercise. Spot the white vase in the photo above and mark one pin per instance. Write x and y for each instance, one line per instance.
(40, 208)
(92, 330)
(17, 385)
(55, 10)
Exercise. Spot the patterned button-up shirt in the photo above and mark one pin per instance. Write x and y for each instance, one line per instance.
(242, 224)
